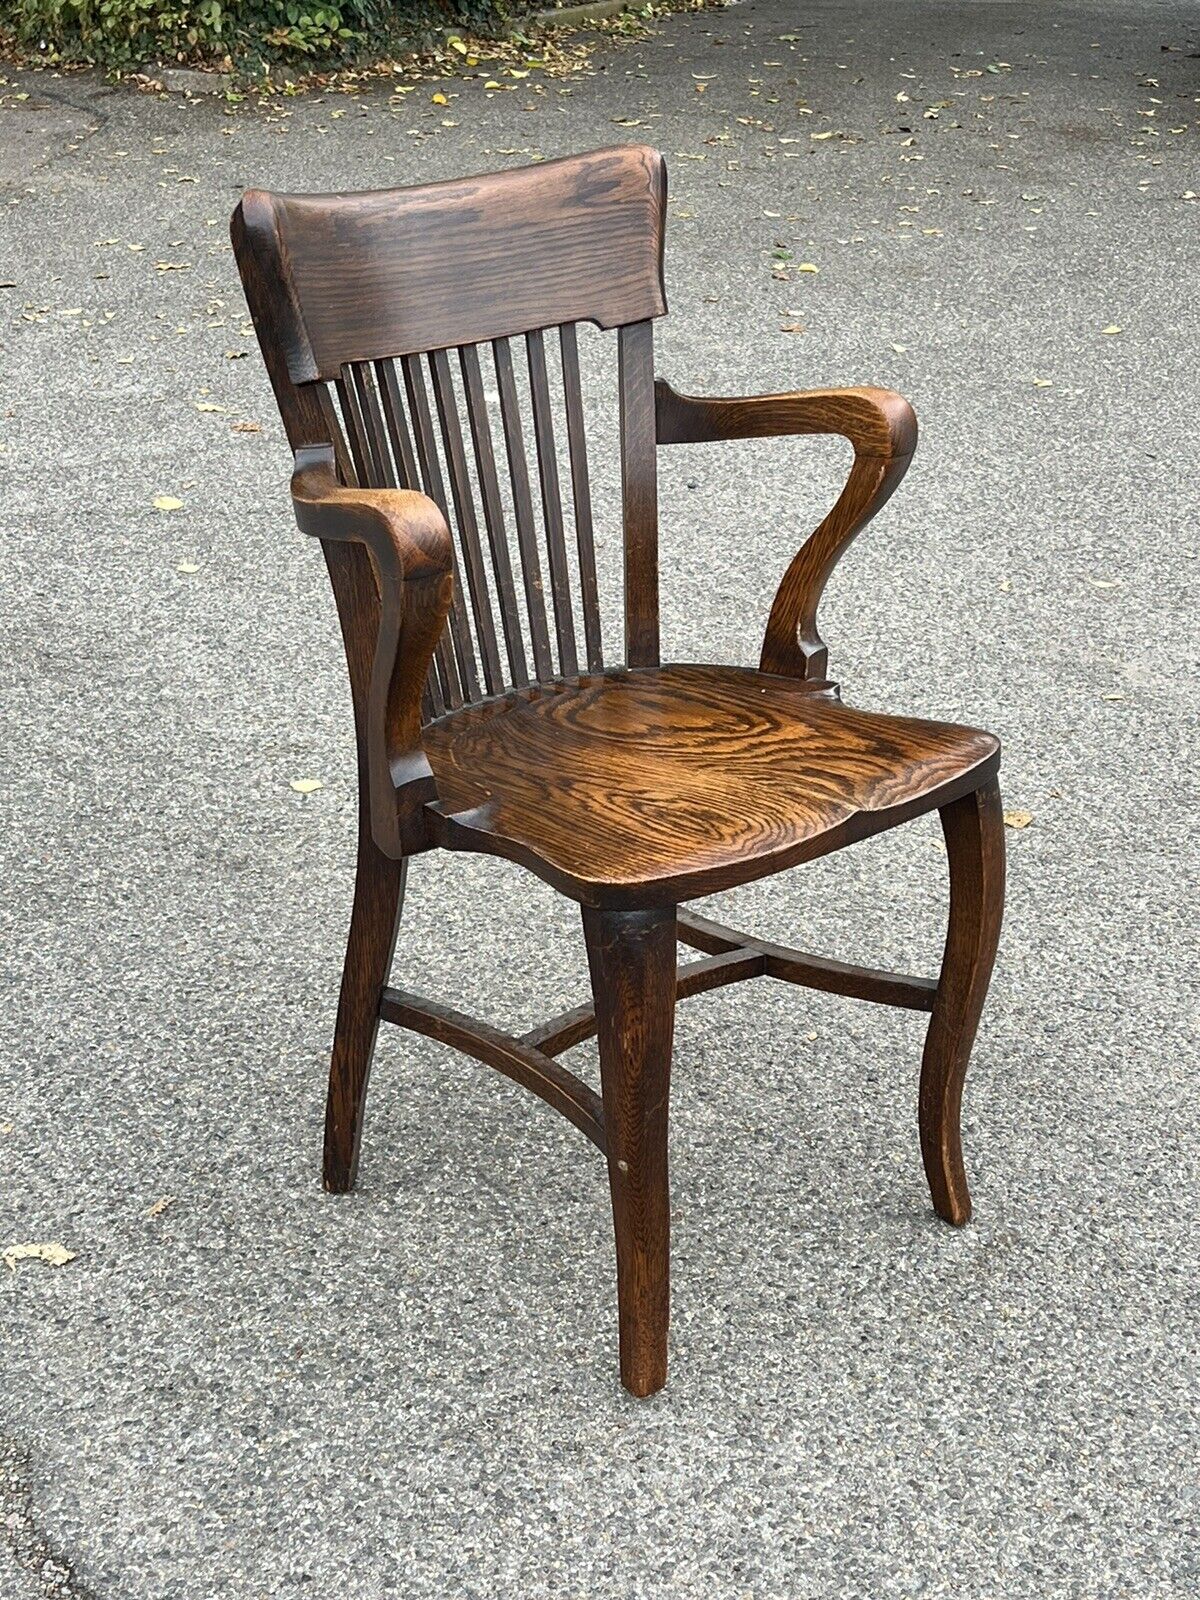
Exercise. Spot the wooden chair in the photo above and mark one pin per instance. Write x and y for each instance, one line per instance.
(631, 788)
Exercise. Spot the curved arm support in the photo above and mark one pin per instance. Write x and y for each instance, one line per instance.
(410, 549)
(881, 426)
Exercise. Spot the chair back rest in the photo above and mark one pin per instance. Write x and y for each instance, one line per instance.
(388, 322)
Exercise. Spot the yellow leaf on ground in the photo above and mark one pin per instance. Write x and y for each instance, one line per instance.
(54, 1255)
(1113, 327)
(439, 99)
(187, 566)
(307, 785)
(167, 502)
(1017, 819)
(807, 266)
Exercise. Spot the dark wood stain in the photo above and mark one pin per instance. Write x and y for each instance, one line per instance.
(397, 271)
(647, 787)
(631, 787)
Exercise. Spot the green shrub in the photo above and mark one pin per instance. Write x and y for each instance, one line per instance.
(130, 33)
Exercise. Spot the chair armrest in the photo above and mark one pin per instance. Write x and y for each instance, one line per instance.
(881, 426)
(412, 556)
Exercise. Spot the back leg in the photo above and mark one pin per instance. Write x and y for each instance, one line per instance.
(374, 923)
(974, 830)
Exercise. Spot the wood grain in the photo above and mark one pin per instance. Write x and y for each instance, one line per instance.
(400, 271)
(630, 789)
(693, 977)
(411, 554)
(810, 971)
(515, 1058)
(639, 493)
(974, 831)
(641, 788)
(631, 955)
(882, 427)
(374, 923)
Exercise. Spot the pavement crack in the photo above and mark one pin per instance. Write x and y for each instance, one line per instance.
(91, 122)
(31, 1548)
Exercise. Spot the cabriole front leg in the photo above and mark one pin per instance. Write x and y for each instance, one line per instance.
(974, 832)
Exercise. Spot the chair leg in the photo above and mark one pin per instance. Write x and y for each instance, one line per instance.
(374, 923)
(974, 831)
(631, 955)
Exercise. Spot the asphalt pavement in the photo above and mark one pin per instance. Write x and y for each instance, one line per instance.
(240, 1388)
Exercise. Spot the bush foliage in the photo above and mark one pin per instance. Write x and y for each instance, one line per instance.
(131, 33)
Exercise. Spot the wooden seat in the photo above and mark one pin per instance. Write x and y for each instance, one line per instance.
(424, 348)
(660, 784)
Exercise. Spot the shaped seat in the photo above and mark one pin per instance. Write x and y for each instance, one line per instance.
(660, 784)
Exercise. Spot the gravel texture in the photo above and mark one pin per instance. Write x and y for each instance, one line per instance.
(263, 1391)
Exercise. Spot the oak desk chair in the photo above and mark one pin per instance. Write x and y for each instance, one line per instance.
(633, 788)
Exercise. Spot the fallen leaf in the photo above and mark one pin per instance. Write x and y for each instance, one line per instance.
(167, 502)
(1114, 696)
(159, 1206)
(187, 567)
(807, 266)
(306, 785)
(54, 1255)
(207, 405)
(1113, 327)
(439, 99)
(1043, 383)
(246, 427)
(1105, 583)
(1017, 819)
